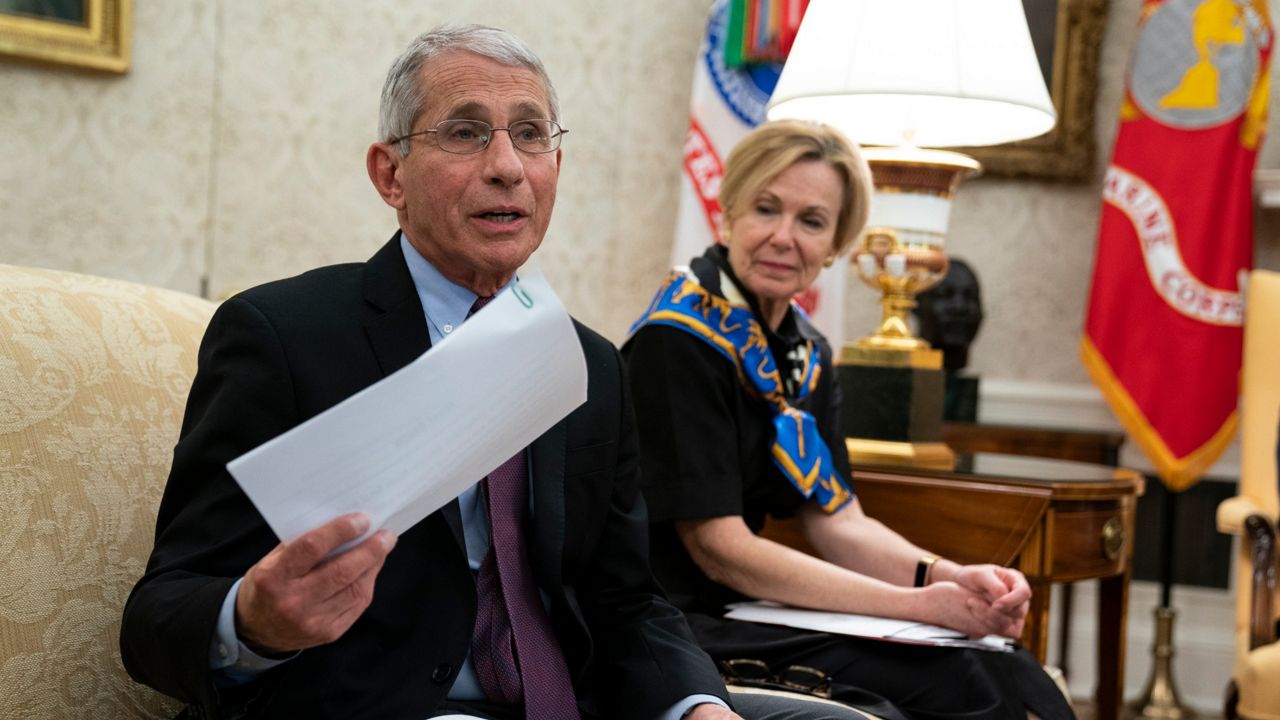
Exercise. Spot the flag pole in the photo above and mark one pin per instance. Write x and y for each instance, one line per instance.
(1160, 697)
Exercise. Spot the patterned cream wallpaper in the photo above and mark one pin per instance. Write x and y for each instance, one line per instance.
(109, 174)
(234, 150)
(297, 108)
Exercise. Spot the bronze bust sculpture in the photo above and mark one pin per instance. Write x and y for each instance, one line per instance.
(950, 314)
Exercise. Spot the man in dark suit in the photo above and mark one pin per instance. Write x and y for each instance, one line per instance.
(544, 613)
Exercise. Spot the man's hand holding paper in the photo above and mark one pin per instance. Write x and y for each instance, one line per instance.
(495, 385)
(298, 597)
(388, 461)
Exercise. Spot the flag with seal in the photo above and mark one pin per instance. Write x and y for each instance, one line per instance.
(728, 102)
(1163, 332)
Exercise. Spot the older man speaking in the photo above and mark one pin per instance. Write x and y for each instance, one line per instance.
(528, 596)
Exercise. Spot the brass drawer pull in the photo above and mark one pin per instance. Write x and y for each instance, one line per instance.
(1113, 538)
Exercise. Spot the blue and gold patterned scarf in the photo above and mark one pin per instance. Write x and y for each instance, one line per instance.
(798, 449)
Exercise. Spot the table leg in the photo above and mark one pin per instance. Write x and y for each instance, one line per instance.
(1064, 630)
(1035, 631)
(1113, 612)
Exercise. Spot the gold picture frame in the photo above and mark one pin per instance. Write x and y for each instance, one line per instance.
(98, 37)
(1066, 152)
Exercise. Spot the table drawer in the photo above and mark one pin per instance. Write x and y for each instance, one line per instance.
(1087, 540)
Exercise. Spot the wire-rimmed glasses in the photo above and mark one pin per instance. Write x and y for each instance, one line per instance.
(465, 137)
(756, 673)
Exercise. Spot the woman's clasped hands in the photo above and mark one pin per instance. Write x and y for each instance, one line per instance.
(980, 600)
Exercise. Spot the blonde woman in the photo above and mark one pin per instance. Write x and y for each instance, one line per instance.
(738, 412)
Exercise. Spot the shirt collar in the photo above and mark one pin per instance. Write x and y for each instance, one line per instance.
(445, 303)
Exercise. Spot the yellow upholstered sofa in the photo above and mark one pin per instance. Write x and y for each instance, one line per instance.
(94, 375)
(1252, 515)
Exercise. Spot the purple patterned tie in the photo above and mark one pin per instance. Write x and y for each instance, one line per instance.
(513, 648)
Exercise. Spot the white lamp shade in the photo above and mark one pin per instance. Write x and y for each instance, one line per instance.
(932, 73)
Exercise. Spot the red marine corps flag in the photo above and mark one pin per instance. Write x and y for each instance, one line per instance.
(1163, 333)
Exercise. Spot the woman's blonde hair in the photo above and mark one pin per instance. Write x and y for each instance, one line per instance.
(775, 146)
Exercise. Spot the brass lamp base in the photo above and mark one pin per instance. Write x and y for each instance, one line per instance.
(930, 455)
(893, 382)
(903, 250)
(1160, 698)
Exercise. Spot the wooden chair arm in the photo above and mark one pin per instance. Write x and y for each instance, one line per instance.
(1260, 539)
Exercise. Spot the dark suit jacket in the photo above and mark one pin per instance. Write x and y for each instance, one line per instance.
(283, 352)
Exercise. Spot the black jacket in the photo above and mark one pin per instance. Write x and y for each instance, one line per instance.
(281, 353)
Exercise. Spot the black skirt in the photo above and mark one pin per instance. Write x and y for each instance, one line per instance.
(895, 681)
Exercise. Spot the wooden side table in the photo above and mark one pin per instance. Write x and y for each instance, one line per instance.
(1092, 446)
(1055, 520)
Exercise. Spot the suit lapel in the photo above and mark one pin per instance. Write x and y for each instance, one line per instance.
(397, 329)
(547, 464)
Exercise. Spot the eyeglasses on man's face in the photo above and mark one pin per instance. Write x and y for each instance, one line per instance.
(464, 137)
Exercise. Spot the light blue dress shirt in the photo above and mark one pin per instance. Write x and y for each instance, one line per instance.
(446, 306)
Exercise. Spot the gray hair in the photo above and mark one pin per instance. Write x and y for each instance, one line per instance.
(402, 93)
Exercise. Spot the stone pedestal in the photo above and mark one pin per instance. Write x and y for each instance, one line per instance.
(892, 409)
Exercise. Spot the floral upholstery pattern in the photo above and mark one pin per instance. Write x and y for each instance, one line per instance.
(94, 375)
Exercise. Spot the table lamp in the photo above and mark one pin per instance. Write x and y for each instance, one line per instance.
(908, 76)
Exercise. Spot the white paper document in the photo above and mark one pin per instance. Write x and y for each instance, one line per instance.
(403, 447)
(865, 626)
